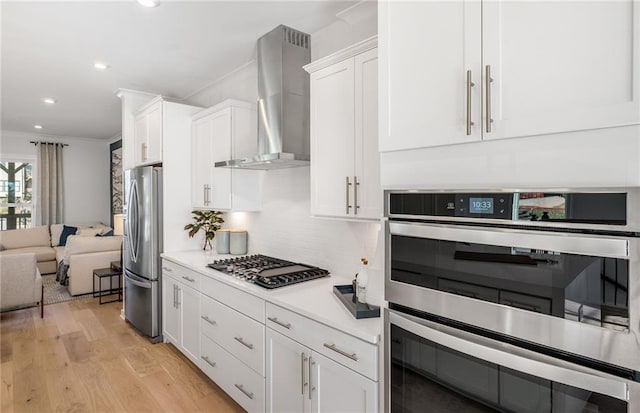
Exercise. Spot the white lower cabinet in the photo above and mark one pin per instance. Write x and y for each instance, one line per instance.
(190, 312)
(180, 312)
(335, 388)
(238, 334)
(294, 365)
(302, 380)
(287, 374)
(301, 377)
(240, 382)
(170, 311)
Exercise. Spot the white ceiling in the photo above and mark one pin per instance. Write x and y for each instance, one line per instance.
(49, 48)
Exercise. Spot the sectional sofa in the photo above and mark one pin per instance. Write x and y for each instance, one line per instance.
(83, 252)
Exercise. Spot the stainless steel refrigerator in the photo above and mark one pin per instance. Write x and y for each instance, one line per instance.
(142, 248)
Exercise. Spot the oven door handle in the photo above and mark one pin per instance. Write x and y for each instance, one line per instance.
(600, 246)
(507, 355)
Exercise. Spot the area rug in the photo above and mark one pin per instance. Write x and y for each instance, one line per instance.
(56, 293)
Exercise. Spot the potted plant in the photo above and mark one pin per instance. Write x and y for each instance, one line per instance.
(209, 221)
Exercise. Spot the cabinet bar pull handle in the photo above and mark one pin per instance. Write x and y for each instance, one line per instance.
(280, 323)
(189, 279)
(209, 362)
(333, 347)
(302, 383)
(310, 377)
(175, 296)
(246, 393)
(144, 151)
(241, 341)
(487, 94)
(355, 195)
(178, 296)
(167, 269)
(470, 84)
(208, 320)
(204, 194)
(348, 184)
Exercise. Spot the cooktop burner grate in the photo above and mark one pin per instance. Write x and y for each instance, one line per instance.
(267, 272)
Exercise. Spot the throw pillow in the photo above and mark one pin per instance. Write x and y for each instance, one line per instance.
(62, 273)
(106, 234)
(89, 232)
(66, 231)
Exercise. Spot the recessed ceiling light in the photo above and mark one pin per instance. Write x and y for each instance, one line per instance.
(149, 3)
(37, 126)
(100, 66)
(50, 101)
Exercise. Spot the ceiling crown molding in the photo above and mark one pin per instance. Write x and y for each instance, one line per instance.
(339, 56)
(358, 12)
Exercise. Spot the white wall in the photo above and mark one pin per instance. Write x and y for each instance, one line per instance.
(284, 227)
(86, 173)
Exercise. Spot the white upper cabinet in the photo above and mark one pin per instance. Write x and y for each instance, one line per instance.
(148, 134)
(561, 66)
(223, 132)
(201, 164)
(554, 67)
(345, 173)
(426, 49)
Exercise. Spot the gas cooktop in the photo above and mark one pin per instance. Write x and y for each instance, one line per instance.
(267, 272)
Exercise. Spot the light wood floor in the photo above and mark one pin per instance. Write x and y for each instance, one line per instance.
(82, 357)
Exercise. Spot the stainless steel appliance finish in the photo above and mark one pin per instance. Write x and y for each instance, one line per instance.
(283, 102)
(434, 366)
(142, 248)
(267, 272)
(513, 300)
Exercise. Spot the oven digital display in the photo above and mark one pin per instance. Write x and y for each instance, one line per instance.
(481, 205)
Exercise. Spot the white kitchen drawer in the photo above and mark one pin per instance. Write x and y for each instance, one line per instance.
(182, 274)
(239, 300)
(238, 334)
(347, 350)
(244, 385)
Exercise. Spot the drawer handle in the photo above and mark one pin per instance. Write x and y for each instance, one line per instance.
(333, 347)
(189, 279)
(241, 341)
(280, 323)
(246, 393)
(208, 320)
(167, 269)
(209, 362)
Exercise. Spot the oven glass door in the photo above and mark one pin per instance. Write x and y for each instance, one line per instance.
(431, 370)
(590, 284)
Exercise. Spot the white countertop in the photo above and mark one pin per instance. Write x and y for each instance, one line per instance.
(313, 299)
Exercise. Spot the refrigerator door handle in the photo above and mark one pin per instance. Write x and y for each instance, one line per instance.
(132, 219)
(137, 281)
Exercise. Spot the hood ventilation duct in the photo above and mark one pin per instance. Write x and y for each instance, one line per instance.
(283, 102)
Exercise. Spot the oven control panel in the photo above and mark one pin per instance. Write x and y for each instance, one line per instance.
(496, 206)
(605, 208)
(466, 205)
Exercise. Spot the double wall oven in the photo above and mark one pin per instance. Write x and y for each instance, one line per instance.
(512, 301)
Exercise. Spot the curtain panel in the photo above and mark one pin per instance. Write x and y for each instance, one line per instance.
(50, 206)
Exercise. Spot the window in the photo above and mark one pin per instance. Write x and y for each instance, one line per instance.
(16, 194)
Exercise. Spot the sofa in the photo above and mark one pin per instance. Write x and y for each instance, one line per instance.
(36, 240)
(83, 252)
(20, 282)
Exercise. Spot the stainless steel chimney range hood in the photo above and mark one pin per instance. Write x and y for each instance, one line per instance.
(283, 102)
